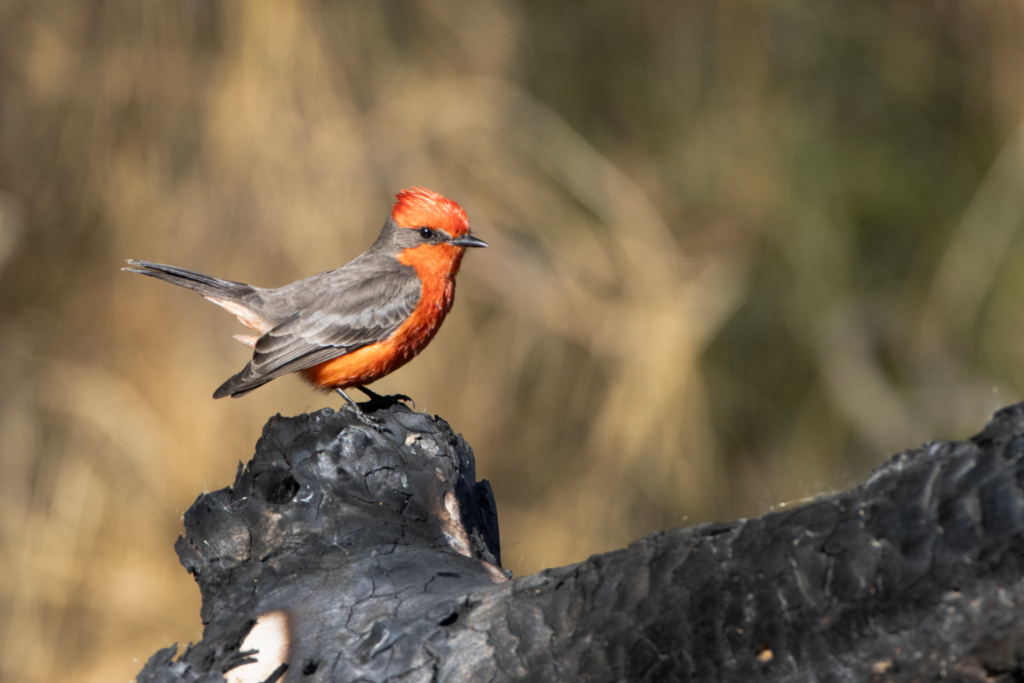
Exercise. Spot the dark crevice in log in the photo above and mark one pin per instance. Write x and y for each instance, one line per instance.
(379, 553)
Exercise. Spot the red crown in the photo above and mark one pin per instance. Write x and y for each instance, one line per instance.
(419, 207)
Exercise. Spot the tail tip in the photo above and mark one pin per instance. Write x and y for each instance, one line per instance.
(136, 266)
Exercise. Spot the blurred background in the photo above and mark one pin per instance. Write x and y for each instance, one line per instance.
(741, 253)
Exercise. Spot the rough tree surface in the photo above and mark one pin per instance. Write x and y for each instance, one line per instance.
(373, 556)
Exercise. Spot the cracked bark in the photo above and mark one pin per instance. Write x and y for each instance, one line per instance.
(380, 554)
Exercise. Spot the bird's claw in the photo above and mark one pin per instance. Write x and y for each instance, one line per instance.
(376, 402)
(381, 401)
(373, 422)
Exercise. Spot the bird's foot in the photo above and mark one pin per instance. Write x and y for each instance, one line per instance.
(374, 423)
(377, 401)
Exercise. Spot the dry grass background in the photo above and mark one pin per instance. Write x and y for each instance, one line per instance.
(741, 252)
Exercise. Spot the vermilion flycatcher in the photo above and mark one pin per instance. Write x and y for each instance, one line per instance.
(353, 325)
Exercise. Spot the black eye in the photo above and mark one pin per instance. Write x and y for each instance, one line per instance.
(426, 233)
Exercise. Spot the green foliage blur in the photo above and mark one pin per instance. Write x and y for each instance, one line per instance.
(741, 253)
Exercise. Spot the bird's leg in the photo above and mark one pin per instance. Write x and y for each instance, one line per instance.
(369, 420)
(390, 399)
(349, 401)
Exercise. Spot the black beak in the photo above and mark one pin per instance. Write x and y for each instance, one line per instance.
(467, 241)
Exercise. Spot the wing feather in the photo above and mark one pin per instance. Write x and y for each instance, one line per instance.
(363, 310)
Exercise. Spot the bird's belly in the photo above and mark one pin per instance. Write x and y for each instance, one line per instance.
(359, 367)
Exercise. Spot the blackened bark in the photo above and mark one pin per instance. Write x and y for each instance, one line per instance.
(379, 551)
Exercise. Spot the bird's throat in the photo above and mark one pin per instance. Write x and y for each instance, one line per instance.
(433, 261)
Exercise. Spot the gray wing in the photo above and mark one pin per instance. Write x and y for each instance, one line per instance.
(347, 312)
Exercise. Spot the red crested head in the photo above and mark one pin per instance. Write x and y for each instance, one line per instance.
(419, 207)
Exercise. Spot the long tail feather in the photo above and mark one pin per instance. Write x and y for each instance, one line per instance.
(204, 284)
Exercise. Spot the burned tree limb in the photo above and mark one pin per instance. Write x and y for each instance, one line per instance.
(342, 554)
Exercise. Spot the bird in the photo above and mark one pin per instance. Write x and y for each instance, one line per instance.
(353, 325)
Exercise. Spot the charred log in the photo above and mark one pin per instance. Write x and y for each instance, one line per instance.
(342, 553)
